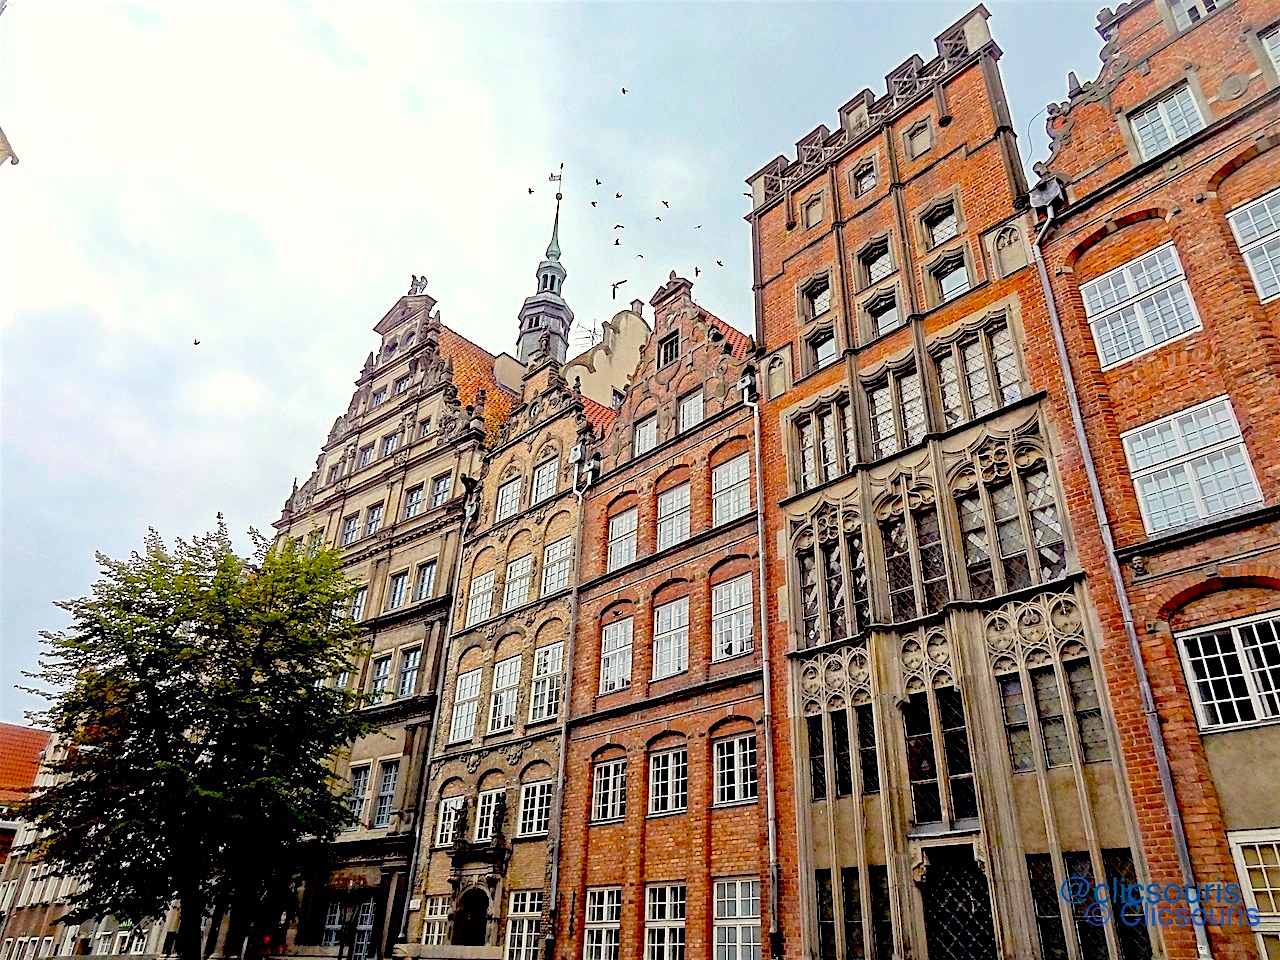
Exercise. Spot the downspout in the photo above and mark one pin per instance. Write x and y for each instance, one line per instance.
(557, 800)
(751, 399)
(1117, 581)
(470, 508)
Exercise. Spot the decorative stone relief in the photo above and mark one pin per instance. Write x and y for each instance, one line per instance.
(926, 660)
(835, 680)
(1031, 631)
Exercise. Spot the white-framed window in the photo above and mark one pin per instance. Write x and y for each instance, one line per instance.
(535, 807)
(424, 427)
(555, 565)
(622, 538)
(426, 580)
(516, 591)
(389, 444)
(1187, 13)
(544, 693)
(673, 516)
(408, 681)
(736, 919)
(335, 474)
(386, 793)
(373, 520)
(486, 805)
(603, 924)
(731, 490)
(669, 349)
(378, 397)
(356, 798)
(1271, 43)
(480, 602)
(439, 490)
(615, 655)
(664, 922)
(365, 456)
(1169, 120)
(1257, 856)
(413, 502)
(508, 500)
(669, 781)
(736, 774)
(447, 819)
(465, 701)
(380, 677)
(731, 615)
(502, 707)
(544, 480)
(364, 930)
(609, 790)
(671, 638)
(646, 435)
(1233, 671)
(357, 602)
(397, 589)
(400, 386)
(524, 913)
(1256, 226)
(1190, 466)
(435, 920)
(1139, 305)
(350, 529)
(332, 925)
(690, 411)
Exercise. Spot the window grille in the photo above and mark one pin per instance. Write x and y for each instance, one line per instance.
(664, 922)
(1233, 671)
(825, 441)
(977, 374)
(508, 501)
(535, 807)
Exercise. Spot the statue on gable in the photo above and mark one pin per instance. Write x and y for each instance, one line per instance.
(417, 286)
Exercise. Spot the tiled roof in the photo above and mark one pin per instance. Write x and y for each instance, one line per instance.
(739, 342)
(472, 372)
(19, 759)
(600, 416)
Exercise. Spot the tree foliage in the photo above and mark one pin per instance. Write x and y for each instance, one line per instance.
(188, 691)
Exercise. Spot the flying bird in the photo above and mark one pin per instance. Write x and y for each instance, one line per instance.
(593, 203)
(195, 343)
(698, 227)
(615, 287)
(617, 243)
(597, 183)
(696, 271)
(624, 91)
(617, 196)
(719, 264)
(657, 218)
(618, 226)
(640, 255)
(531, 189)
(665, 204)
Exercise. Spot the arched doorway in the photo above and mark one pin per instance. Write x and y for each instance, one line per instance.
(470, 923)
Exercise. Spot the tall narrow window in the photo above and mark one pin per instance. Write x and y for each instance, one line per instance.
(690, 411)
(447, 822)
(884, 314)
(817, 298)
(1256, 226)
(671, 638)
(1257, 856)
(826, 915)
(524, 914)
(1168, 121)
(941, 223)
(413, 502)
(842, 757)
(544, 695)
(350, 529)
(645, 437)
(731, 490)
(897, 413)
(622, 538)
(864, 178)
(364, 916)
(502, 706)
(408, 681)
(731, 615)
(609, 790)
(365, 456)
(950, 276)
(535, 807)
(669, 349)
(603, 924)
(516, 591)
(1045, 898)
(386, 793)
(330, 937)
(1190, 466)
(400, 386)
(669, 781)
(1139, 305)
(439, 490)
(358, 601)
(868, 765)
(465, 701)
(736, 774)
(810, 594)
(435, 920)
(397, 590)
(664, 922)
(356, 799)
(822, 347)
(373, 520)
(544, 480)
(875, 262)
(825, 440)
(555, 565)
(615, 656)
(486, 807)
(380, 676)
(673, 516)
(977, 374)
(390, 443)
(922, 764)
(851, 900)
(955, 743)
(933, 567)
(817, 757)
(508, 501)
(426, 580)
(1233, 670)
(480, 603)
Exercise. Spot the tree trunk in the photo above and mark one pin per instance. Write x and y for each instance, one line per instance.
(215, 928)
(191, 910)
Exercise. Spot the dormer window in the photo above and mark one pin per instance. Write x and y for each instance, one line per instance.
(668, 350)
(864, 178)
(817, 298)
(389, 350)
(876, 262)
(941, 223)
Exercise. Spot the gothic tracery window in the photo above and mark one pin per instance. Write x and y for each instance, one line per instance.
(915, 562)
(978, 373)
(835, 593)
(825, 440)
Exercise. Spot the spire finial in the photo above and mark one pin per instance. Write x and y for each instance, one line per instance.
(553, 248)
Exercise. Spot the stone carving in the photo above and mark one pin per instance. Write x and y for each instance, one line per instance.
(926, 660)
(1031, 632)
(835, 680)
(417, 286)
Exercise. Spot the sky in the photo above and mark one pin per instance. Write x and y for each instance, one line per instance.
(265, 178)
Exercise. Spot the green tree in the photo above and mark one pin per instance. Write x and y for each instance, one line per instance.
(189, 692)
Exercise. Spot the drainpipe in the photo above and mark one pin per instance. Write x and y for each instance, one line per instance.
(1117, 578)
(749, 396)
(587, 473)
(470, 508)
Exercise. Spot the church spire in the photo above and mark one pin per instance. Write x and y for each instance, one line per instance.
(553, 248)
(545, 318)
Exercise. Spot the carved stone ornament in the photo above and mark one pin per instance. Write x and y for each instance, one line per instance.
(926, 660)
(473, 764)
(1031, 632)
(835, 680)
(514, 752)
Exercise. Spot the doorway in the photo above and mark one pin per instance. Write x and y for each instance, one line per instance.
(471, 922)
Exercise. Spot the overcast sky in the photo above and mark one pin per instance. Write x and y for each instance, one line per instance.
(265, 178)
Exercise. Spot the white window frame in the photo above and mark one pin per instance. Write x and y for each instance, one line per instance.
(466, 702)
(400, 386)
(435, 920)
(645, 435)
(609, 790)
(669, 782)
(556, 561)
(524, 916)
(603, 924)
(378, 397)
(386, 794)
(486, 806)
(358, 600)
(397, 589)
(545, 481)
(1261, 688)
(413, 501)
(1131, 273)
(1159, 108)
(673, 516)
(424, 581)
(447, 819)
(535, 808)
(615, 655)
(357, 799)
(731, 490)
(390, 443)
(664, 919)
(622, 538)
(440, 490)
(737, 770)
(516, 591)
(373, 520)
(508, 500)
(380, 675)
(548, 677)
(350, 530)
(480, 603)
(1250, 216)
(365, 456)
(407, 679)
(671, 639)
(691, 411)
(736, 919)
(732, 617)
(502, 701)
(1268, 925)
(1185, 457)
(1271, 43)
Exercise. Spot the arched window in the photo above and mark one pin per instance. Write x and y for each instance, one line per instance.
(835, 593)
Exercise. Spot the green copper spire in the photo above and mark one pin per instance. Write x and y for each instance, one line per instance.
(553, 249)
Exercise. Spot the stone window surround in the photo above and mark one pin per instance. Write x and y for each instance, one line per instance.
(927, 123)
(918, 215)
(945, 252)
(1123, 114)
(802, 294)
(870, 159)
(890, 287)
(817, 197)
(1253, 37)
(1166, 16)
(862, 279)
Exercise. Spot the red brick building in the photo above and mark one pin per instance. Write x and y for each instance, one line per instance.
(1162, 255)
(665, 841)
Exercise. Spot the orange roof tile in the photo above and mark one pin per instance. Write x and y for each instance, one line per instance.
(599, 416)
(19, 759)
(739, 342)
(472, 372)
